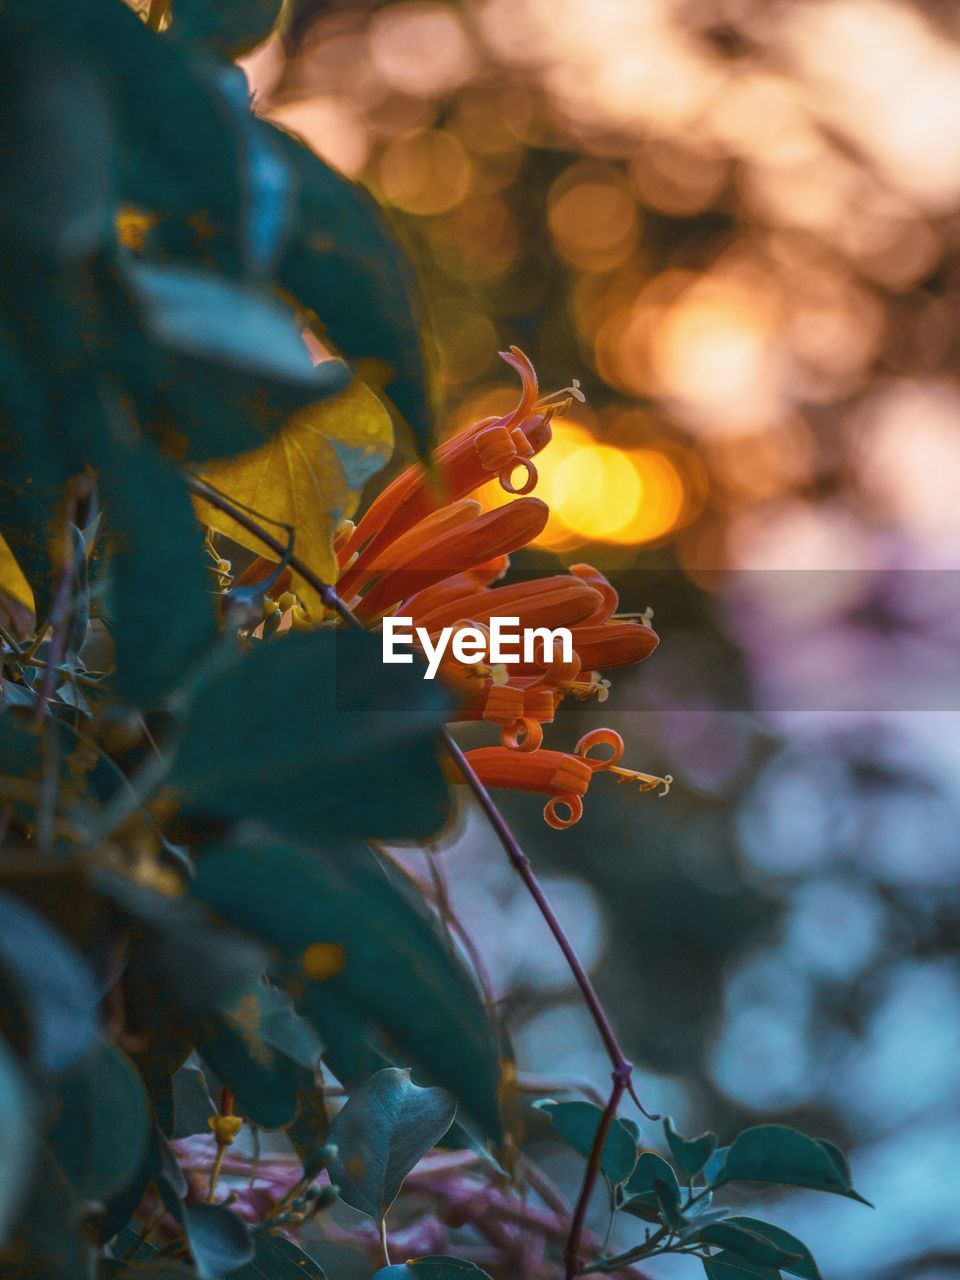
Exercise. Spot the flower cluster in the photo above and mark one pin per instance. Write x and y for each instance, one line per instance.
(426, 549)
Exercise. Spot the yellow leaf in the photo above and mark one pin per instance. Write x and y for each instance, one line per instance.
(12, 581)
(309, 476)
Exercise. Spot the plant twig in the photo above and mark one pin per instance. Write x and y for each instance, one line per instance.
(622, 1069)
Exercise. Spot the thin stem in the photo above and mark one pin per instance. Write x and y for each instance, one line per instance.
(621, 1075)
(571, 1252)
(384, 1245)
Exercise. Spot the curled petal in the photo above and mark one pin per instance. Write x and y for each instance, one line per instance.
(522, 735)
(563, 811)
(529, 386)
(506, 477)
(473, 456)
(600, 738)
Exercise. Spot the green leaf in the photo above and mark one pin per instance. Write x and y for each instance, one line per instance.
(713, 1166)
(779, 1154)
(47, 1242)
(161, 608)
(278, 1258)
(56, 159)
(691, 1154)
(16, 1125)
(219, 1241)
(803, 1263)
(640, 1191)
(359, 954)
(237, 366)
(187, 959)
(33, 470)
(283, 1028)
(746, 1244)
(577, 1123)
(192, 1104)
(384, 1129)
(103, 1098)
(730, 1266)
(179, 150)
(228, 27)
(159, 1270)
(312, 733)
(344, 262)
(433, 1268)
(50, 992)
(265, 1082)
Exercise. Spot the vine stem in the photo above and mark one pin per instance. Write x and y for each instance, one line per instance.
(622, 1069)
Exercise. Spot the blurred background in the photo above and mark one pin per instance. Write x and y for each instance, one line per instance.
(736, 222)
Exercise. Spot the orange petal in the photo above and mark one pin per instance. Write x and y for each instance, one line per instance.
(558, 601)
(548, 772)
(491, 534)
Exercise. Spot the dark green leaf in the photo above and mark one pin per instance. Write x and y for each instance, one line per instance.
(309, 1129)
(283, 1028)
(746, 1244)
(237, 366)
(47, 1243)
(50, 991)
(264, 1081)
(388, 966)
(385, 1128)
(312, 733)
(33, 470)
(179, 150)
(228, 27)
(730, 1266)
(192, 1104)
(162, 610)
(157, 1270)
(16, 1125)
(183, 956)
(577, 1123)
(713, 1166)
(640, 1191)
(344, 263)
(278, 1258)
(129, 1244)
(103, 1098)
(779, 1154)
(219, 1241)
(691, 1154)
(433, 1268)
(56, 158)
(803, 1263)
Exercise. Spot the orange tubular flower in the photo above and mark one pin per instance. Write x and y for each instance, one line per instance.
(613, 644)
(427, 547)
(594, 578)
(564, 777)
(484, 451)
(558, 601)
(455, 549)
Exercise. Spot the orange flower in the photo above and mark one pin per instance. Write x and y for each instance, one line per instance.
(558, 601)
(564, 777)
(425, 546)
(484, 451)
(453, 550)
